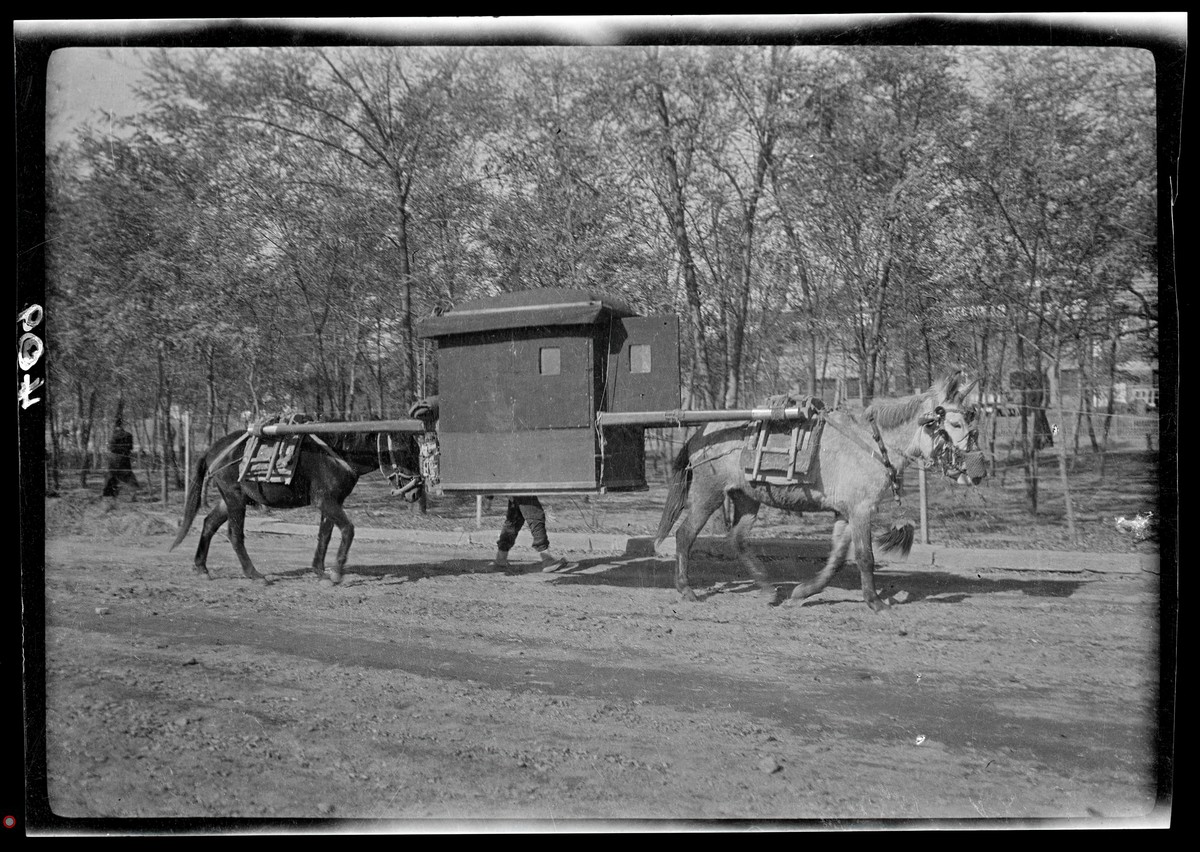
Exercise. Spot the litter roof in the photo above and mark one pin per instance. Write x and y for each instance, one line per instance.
(546, 306)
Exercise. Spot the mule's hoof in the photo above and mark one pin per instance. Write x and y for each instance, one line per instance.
(795, 600)
(687, 595)
(879, 605)
(331, 579)
(771, 593)
(202, 573)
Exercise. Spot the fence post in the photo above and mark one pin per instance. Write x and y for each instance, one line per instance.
(478, 511)
(187, 450)
(924, 505)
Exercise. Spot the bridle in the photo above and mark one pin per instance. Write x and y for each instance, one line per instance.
(955, 458)
(405, 483)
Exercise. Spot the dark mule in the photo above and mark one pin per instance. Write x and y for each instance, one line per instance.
(855, 466)
(327, 471)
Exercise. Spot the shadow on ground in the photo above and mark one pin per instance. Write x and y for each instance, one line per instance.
(709, 578)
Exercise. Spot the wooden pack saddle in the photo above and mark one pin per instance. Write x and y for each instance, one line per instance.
(272, 459)
(782, 452)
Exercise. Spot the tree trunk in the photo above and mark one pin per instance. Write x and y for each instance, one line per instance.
(1109, 408)
(1091, 426)
(251, 383)
(410, 364)
(55, 458)
(871, 350)
(766, 144)
(353, 369)
(87, 413)
(164, 397)
(998, 374)
(811, 308)
(1056, 395)
(210, 434)
(1028, 445)
(676, 218)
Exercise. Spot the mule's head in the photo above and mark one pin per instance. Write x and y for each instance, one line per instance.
(399, 457)
(949, 433)
(395, 454)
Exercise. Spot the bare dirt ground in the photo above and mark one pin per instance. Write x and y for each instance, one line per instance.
(439, 699)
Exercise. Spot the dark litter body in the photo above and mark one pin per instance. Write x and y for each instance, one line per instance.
(523, 377)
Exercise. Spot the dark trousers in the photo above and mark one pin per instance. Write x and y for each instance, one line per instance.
(120, 469)
(521, 511)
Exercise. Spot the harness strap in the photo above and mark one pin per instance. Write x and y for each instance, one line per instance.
(397, 472)
(893, 474)
(335, 456)
(212, 468)
(881, 457)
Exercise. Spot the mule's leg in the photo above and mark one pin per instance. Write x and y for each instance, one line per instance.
(237, 537)
(324, 534)
(699, 509)
(333, 510)
(212, 523)
(860, 531)
(837, 558)
(745, 513)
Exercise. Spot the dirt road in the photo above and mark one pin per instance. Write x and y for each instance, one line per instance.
(442, 699)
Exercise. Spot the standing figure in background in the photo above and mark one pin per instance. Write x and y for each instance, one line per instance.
(120, 463)
(525, 510)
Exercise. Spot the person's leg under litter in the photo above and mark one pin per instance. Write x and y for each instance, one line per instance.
(513, 521)
(535, 516)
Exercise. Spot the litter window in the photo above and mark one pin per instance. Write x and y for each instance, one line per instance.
(639, 358)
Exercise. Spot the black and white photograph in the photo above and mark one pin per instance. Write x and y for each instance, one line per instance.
(596, 424)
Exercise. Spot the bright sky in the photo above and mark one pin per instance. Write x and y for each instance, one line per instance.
(82, 83)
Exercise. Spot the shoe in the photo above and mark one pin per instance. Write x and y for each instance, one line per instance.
(550, 562)
(500, 565)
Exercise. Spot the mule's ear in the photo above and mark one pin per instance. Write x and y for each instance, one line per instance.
(965, 392)
(949, 385)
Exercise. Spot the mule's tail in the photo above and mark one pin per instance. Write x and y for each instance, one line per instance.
(898, 539)
(677, 491)
(192, 504)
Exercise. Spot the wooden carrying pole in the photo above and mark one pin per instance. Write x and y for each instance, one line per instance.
(348, 427)
(651, 419)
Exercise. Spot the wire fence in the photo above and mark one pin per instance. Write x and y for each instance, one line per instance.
(1123, 432)
(1001, 432)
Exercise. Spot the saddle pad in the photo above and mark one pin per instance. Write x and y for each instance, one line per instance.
(782, 452)
(271, 459)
